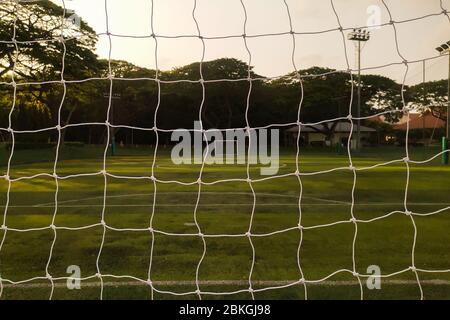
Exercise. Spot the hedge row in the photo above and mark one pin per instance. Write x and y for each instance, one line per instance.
(40, 145)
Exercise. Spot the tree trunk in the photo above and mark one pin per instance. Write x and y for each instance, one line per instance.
(230, 114)
(63, 133)
(90, 135)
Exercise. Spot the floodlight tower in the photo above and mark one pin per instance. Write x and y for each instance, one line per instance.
(359, 35)
(444, 49)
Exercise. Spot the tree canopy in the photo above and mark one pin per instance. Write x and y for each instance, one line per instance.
(44, 38)
(431, 96)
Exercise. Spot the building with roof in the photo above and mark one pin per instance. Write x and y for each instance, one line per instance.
(328, 134)
(419, 121)
(424, 129)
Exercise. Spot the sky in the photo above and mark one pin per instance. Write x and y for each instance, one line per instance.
(271, 55)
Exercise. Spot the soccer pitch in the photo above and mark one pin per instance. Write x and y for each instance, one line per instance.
(224, 210)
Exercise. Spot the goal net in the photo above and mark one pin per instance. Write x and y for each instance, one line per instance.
(205, 228)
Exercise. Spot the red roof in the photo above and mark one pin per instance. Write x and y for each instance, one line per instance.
(419, 121)
(377, 119)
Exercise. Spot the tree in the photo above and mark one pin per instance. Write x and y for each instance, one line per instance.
(382, 94)
(37, 60)
(38, 28)
(326, 96)
(42, 31)
(225, 101)
(431, 96)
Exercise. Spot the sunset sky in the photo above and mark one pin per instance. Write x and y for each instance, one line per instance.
(271, 55)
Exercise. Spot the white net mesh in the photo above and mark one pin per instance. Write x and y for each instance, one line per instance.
(299, 174)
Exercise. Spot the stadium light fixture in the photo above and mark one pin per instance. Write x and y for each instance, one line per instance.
(359, 35)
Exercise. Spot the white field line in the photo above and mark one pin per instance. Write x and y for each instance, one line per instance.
(221, 205)
(269, 283)
(283, 165)
(326, 202)
(131, 195)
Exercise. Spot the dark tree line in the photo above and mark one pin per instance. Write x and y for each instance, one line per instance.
(325, 95)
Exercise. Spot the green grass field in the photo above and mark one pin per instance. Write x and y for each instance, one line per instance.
(224, 208)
